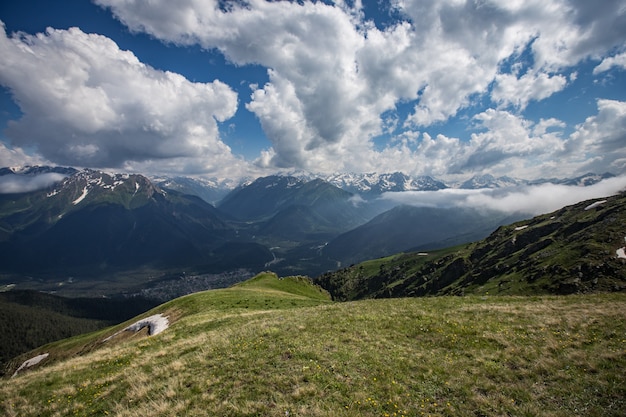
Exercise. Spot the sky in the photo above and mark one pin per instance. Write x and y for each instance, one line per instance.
(231, 89)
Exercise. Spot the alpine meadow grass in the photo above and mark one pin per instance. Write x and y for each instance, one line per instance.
(275, 348)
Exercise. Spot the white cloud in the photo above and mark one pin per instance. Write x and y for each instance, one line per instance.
(10, 184)
(15, 156)
(518, 92)
(600, 142)
(333, 76)
(85, 102)
(532, 200)
(607, 63)
(508, 144)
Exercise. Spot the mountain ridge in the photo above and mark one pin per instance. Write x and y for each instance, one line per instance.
(406, 227)
(575, 249)
(112, 221)
(215, 190)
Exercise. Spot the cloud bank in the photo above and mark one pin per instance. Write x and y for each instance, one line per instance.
(337, 81)
(85, 102)
(14, 184)
(333, 74)
(532, 200)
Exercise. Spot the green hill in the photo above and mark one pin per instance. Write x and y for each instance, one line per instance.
(572, 250)
(29, 319)
(279, 347)
(263, 292)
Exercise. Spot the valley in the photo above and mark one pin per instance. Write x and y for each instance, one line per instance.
(94, 233)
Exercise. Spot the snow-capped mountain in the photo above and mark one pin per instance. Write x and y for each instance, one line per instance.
(94, 223)
(269, 196)
(587, 179)
(37, 170)
(210, 190)
(88, 185)
(373, 183)
(489, 181)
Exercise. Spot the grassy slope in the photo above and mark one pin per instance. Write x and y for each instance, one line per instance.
(29, 319)
(278, 347)
(377, 278)
(572, 250)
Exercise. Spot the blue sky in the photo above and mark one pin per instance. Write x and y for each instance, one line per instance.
(449, 89)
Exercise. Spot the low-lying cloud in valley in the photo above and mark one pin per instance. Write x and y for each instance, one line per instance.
(529, 199)
(14, 184)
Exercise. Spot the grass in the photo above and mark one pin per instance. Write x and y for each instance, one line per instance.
(277, 348)
(379, 277)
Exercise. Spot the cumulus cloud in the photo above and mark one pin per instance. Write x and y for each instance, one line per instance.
(618, 60)
(600, 142)
(518, 92)
(85, 102)
(509, 144)
(334, 76)
(16, 156)
(532, 200)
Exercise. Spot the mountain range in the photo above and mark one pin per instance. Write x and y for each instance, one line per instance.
(125, 230)
(92, 223)
(409, 228)
(367, 184)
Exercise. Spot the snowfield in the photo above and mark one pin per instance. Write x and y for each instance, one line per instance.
(82, 196)
(594, 205)
(621, 252)
(155, 324)
(31, 362)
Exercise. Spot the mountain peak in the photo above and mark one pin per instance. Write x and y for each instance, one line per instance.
(489, 181)
(89, 185)
(375, 183)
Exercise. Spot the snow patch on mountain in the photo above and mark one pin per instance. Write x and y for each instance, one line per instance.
(594, 205)
(31, 362)
(82, 196)
(374, 183)
(156, 324)
(621, 252)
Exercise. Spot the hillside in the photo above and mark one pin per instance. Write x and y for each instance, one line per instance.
(572, 250)
(93, 224)
(265, 291)
(277, 347)
(29, 319)
(405, 228)
(268, 196)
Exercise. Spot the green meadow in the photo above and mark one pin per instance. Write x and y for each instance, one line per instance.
(280, 347)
